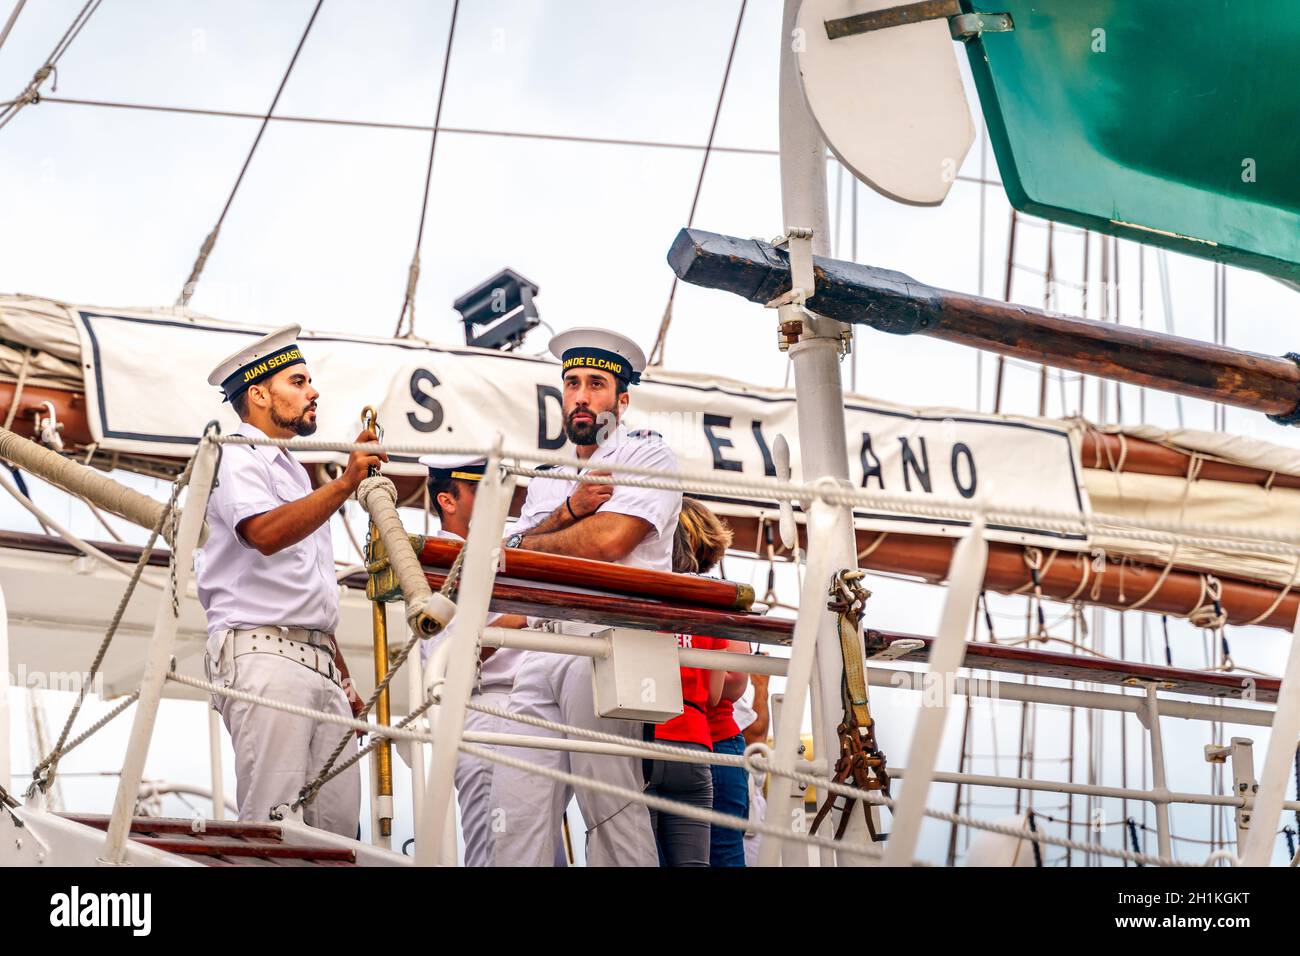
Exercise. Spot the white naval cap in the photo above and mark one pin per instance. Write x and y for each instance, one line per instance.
(462, 467)
(600, 349)
(257, 360)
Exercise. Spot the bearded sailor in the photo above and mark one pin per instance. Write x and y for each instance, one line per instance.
(453, 481)
(620, 524)
(266, 580)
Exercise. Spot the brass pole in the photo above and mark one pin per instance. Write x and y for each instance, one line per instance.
(384, 752)
(379, 625)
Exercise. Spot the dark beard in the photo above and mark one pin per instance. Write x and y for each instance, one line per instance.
(589, 433)
(299, 426)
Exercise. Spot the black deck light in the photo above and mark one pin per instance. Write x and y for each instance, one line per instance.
(499, 312)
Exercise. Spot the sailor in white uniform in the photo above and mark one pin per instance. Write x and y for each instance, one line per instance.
(266, 580)
(620, 524)
(453, 481)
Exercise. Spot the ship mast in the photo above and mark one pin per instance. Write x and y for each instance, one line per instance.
(815, 358)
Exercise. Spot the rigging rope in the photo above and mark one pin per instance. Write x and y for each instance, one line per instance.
(18, 388)
(43, 773)
(413, 272)
(187, 291)
(657, 352)
(9, 24)
(53, 526)
(32, 92)
(308, 793)
(425, 128)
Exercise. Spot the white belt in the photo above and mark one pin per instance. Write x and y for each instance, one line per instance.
(293, 643)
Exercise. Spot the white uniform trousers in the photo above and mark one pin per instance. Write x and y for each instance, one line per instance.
(558, 687)
(277, 753)
(474, 783)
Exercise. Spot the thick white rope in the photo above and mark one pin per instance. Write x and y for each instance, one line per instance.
(76, 479)
(751, 761)
(1004, 829)
(672, 806)
(755, 762)
(1209, 536)
(649, 748)
(87, 549)
(426, 613)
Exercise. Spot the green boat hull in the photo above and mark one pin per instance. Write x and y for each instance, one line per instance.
(1169, 122)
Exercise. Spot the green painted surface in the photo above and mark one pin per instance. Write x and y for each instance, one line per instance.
(1156, 113)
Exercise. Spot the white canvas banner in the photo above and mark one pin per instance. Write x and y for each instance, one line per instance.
(147, 392)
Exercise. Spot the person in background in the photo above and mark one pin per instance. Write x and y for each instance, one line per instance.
(266, 581)
(751, 715)
(699, 543)
(621, 524)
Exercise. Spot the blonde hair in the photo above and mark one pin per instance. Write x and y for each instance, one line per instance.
(701, 539)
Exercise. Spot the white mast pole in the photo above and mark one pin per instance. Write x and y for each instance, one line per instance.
(818, 390)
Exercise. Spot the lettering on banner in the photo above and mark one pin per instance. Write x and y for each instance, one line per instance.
(422, 384)
(718, 442)
(914, 466)
(545, 440)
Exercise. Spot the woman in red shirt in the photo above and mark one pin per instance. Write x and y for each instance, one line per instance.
(700, 542)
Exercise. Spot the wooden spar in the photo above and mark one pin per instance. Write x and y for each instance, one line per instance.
(615, 610)
(1120, 584)
(534, 599)
(1104, 451)
(600, 575)
(893, 302)
(988, 656)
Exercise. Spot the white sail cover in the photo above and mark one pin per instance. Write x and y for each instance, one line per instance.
(1263, 506)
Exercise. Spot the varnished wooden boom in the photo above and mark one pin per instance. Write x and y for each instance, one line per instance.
(602, 576)
(893, 302)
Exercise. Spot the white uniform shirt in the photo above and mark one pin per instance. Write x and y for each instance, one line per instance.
(742, 711)
(659, 508)
(239, 586)
(497, 673)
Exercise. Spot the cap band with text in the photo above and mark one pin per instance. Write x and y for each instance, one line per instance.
(261, 368)
(602, 360)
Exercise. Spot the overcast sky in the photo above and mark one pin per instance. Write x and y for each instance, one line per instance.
(109, 207)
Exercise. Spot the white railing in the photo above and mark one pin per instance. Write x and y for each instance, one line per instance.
(452, 669)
